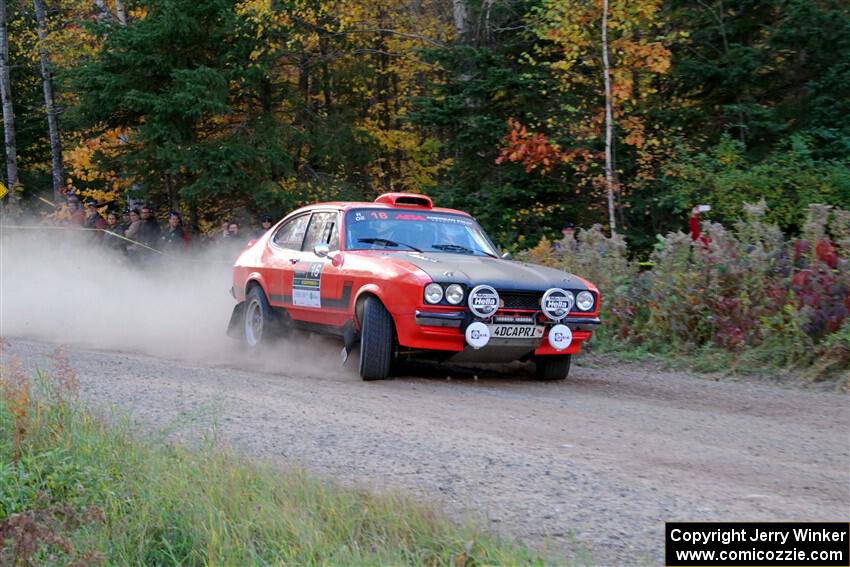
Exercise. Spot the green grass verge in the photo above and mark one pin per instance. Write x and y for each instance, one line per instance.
(74, 489)
(771, 360)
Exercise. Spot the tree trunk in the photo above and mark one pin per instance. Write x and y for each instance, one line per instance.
(609, 121)
(8, 110)
(173, 195)
(52, 115)
(103, 13)
(461, 18)
(119, 9)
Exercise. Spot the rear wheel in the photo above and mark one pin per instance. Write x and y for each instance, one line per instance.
(376, 340)
(555, 367)
(259, 322)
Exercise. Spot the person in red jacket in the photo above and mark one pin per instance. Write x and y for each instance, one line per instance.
(696, 232)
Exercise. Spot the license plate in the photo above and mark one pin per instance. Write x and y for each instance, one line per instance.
(516, 332)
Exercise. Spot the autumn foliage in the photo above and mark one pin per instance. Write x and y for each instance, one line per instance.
(750, 295)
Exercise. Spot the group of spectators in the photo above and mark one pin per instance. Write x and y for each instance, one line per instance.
(136, 233)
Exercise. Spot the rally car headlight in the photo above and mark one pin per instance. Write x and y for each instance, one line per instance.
(454, 294)
(433, 293)
(584, 300)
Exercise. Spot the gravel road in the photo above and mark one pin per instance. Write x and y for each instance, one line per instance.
(587, 469)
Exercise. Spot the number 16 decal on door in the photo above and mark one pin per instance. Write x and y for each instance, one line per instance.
(307, 285)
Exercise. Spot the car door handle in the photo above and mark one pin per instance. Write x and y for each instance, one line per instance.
(293, 260)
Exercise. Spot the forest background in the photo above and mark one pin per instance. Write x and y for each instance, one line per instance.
(222, 108)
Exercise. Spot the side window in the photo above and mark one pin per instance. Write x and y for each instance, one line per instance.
(291, 233)
(331, 233)
(323, 228)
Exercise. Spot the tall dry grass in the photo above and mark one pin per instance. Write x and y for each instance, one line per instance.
(747, 295)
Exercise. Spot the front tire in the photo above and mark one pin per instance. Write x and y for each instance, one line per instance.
(556, 367)
(259, 320)
(376, 340)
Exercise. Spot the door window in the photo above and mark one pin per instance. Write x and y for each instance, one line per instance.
(323, 229)
(291, 233)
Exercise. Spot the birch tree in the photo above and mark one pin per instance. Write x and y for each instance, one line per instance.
(119, 10)
(49, 101)
(8, 111)
(628, 55)
(609, 121)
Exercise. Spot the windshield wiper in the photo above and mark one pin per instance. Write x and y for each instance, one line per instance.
(386, 242)
(459, 248)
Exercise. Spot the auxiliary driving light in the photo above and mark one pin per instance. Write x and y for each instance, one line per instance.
(478, 334)
(560, 337)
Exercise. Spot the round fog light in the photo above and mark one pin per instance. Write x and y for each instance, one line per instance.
(584, 301)
(433, 293)
(454, 294)
(560, 337)
(478, 334)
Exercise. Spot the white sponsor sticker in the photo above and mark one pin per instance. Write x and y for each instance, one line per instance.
(307, 285)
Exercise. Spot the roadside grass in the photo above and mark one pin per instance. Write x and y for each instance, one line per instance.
(766, 362)
(75, 490)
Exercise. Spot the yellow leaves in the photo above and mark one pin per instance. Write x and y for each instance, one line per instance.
(138, 13)
(82, 162)
(635, 36)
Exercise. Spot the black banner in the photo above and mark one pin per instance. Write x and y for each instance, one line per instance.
(762, 544)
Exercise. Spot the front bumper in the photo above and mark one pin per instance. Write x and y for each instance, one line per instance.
(456, 320)
(432, 330)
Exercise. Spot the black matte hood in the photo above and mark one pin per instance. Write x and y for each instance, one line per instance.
(444, 267)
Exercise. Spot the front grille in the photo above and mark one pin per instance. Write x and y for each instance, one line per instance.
(522, 301)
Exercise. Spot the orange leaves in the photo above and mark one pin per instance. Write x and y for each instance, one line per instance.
(533, 150)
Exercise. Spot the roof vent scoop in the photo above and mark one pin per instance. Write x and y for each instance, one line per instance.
(406, 200)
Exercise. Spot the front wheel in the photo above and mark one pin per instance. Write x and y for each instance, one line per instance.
(556, 367)
(376, 341)
(258, 320)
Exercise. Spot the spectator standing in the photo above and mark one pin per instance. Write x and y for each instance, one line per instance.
(78, 217)
(693, 224)
(125, 219)
(93, 221)
(112, 237)
(265, 225)
(132, 233)
(149, 230)
(233, 243)
(148, 235)
(223, 234)
(175, 239)
(135, 223)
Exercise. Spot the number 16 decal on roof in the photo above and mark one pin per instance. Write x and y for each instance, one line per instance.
(307, 285)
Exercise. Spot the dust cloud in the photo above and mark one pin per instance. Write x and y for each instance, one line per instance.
(60, 286)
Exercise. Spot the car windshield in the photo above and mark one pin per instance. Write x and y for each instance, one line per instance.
(420, 231)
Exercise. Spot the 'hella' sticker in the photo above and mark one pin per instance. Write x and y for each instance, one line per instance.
(483, 300)
(556, 303)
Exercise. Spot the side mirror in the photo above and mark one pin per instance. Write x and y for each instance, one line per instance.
(321, 250)
(507, 256)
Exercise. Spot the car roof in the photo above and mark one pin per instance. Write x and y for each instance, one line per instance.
(345, 206)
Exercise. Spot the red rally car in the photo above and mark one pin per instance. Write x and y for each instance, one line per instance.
(405, 279)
